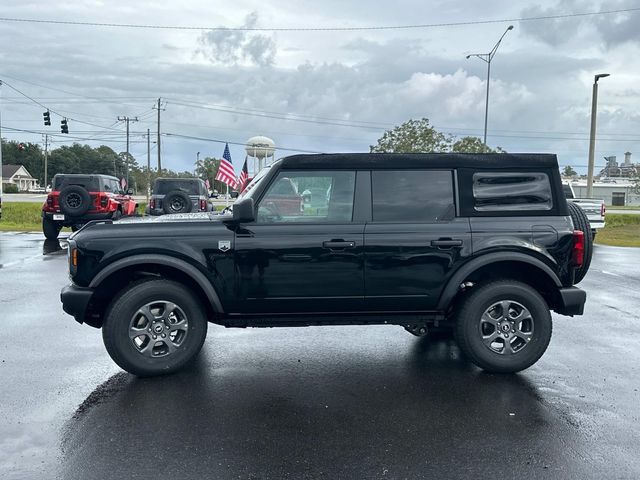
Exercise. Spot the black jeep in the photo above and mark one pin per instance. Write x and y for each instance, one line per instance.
(485, 245)
(178, 195)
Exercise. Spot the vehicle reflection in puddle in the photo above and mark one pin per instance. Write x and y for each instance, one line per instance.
(52, 246)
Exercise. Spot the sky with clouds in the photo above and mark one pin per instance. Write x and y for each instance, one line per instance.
(321, 91)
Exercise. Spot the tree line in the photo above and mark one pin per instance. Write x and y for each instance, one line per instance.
(85, 159)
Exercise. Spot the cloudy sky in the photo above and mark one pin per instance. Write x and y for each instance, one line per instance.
(323, 91)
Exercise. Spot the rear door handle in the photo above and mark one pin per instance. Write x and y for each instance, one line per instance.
(446, 243)
(338, 244)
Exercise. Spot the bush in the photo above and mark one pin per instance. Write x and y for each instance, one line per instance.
(10, 188)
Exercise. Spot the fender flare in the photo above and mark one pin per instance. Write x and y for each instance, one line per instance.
(467, 269)
(156, 259)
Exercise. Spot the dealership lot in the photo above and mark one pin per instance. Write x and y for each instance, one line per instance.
(320, 402)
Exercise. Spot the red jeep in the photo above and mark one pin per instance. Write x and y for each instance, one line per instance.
(76, 199)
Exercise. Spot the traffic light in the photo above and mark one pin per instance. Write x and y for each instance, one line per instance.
(47, 118)
(64, 128)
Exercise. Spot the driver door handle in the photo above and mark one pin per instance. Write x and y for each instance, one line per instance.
(338, 244)
(446, 243)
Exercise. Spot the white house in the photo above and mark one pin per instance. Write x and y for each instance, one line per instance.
(18, 175)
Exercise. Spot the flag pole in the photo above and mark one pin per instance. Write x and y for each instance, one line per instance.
(227, 195)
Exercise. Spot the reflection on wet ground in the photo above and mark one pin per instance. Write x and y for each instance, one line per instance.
(428, 413)
(24, 246)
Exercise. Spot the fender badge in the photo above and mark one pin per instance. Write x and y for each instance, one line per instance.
(224, 245)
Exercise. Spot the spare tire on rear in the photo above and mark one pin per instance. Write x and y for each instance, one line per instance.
(581, 222)
(176, 201)
(74, 200)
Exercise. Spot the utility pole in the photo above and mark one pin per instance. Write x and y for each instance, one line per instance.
(127, 120)
(148, 165)
(46, 160)
(592, 135)
(159, 107)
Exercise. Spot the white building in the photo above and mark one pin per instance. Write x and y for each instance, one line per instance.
(18, 175)
(616, 192)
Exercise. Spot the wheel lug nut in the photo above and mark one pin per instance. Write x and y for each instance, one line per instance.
(163, 335)
(155, 336)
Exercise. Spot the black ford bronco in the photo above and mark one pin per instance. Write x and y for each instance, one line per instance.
(483, 244)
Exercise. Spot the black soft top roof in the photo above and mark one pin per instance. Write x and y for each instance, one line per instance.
(420, 160)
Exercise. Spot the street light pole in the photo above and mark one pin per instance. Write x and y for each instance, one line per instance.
(487, 57)
(592, 135)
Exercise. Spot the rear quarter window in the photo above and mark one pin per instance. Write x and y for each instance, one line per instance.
(511, 191)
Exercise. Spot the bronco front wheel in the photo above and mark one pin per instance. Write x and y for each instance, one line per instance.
(155, 327)
(504, 326)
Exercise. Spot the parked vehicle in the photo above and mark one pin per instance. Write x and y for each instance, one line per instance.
(76, 199)
(484, 244)
(179, 195)
(593, 207)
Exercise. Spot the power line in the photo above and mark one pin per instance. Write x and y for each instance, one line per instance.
(49, 109)
(242, 144)
(317, 29)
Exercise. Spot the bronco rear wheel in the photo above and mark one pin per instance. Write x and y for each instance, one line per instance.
(504, 326)
(155, 327)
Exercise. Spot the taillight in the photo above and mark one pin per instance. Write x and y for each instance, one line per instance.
(603, 210)
(152, 203)
(203, 205)
(50, 200)
(577, 255)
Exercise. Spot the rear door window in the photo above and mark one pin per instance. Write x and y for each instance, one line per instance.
(190, 187)
(89, 182)
(511, 191)
(412, 196)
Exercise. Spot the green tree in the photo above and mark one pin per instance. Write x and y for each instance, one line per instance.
(26, 154)
(470, 145)
(413, 136)
(568, 171)
(418, 136)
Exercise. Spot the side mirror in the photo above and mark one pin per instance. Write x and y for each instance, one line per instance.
(244, 211)
(234, 194)
(130, 191)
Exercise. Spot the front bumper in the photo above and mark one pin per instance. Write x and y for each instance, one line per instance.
(75, 301)
(572, 301)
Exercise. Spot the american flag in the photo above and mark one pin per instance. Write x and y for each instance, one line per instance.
(244, 175)
(226, 173)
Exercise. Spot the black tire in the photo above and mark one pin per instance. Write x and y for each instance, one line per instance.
(123, 314)
(581, 222)
(176, 201)
(74, 200)
(471, 333)
(50, 228)
(117, 215)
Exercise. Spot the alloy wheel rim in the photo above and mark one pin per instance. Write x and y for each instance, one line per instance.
(506, 327)
(177, 204)
(158, 329)
(74, 200)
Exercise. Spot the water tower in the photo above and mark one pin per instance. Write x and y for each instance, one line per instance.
(260, 148)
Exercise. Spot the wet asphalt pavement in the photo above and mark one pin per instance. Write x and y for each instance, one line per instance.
(317, 402)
